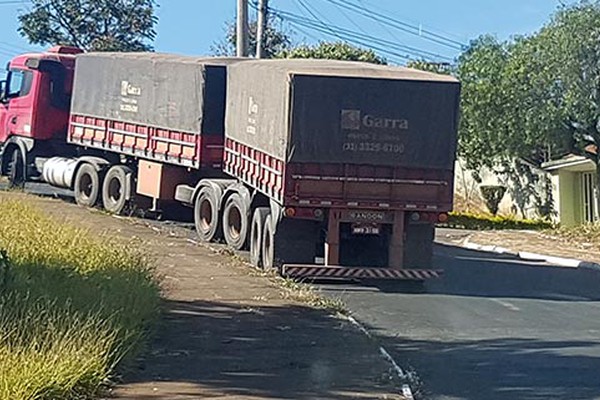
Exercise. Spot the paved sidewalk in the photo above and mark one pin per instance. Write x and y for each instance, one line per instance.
(519, 241)
(229, 334)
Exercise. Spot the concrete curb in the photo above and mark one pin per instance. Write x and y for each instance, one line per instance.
(523, 255)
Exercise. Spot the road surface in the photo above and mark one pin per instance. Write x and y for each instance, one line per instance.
(493, 328)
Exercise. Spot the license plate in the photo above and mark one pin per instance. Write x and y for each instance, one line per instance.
(365, 229)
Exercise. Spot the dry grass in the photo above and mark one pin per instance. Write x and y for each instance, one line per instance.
(584, 236)
(71, 306)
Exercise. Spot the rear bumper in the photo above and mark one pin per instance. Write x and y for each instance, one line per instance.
(348, 273)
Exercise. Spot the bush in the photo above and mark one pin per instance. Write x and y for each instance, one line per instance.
(72, 307)
(485, 222)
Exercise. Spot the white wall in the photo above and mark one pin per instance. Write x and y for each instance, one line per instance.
(520, 199)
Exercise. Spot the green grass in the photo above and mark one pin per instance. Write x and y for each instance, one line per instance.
(72, 306)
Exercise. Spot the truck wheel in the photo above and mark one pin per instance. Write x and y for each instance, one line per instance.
(261, 214)
(235, 222)
(206, 216)
(268, 245)
(87, 186)
(16, 169)
(114, 189)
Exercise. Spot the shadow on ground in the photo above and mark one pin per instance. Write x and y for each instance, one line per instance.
(233, 350)
(475, 273)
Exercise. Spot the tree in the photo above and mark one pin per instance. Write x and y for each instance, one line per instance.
(94, 25)
(435, 67)
(277, 39)
(574, 37)
(480, 70)
(333, 51)
(537, 97)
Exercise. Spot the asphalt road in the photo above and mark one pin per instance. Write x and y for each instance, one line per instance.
(493, 328)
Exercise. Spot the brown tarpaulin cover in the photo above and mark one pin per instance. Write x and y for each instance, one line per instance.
(161, 90)
(344, 112)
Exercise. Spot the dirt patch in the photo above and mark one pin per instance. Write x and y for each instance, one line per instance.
(231, 333)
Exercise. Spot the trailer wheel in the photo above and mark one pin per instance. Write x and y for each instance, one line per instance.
(16, 169)
(87, 186)
(261, 214)
(206, 216)
(268, 245)
(235, 222)
(114, 189)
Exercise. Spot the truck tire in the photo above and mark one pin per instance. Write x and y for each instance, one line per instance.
(268, 245)
(16, 169)
(206, 216)
(235, 222)
(87, 186)
(261, 214)
(114, 189)
(293, 241)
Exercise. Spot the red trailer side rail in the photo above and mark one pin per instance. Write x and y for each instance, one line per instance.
(162, 145)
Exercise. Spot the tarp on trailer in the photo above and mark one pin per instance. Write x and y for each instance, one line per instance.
(160, 90)
(321, 111)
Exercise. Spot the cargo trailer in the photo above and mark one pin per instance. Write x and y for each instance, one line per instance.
(323, 169)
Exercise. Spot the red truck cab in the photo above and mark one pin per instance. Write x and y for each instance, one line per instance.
(34, 107)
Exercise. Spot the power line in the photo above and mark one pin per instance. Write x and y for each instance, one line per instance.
(391, 56)
(416, 30)
(403, 26)
(461, 39)
(365, 40)
(385, 27)
(356, 39)
(357, 26)
(303, 5)
(14, 46)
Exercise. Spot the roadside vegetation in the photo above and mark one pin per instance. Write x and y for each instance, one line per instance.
(72, 306)
(478, 222)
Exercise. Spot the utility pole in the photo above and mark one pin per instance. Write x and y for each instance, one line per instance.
(242, 28)
(261, 27)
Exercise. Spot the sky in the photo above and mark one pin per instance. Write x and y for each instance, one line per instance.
(191, 27)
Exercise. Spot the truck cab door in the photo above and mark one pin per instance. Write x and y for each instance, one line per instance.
(16, 109)
(3, 112)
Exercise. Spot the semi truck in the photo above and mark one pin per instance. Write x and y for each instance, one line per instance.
(321, 168)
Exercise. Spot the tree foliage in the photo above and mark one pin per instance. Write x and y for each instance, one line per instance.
(277, 39)
(97, 25)
(436, 68)
(534, 97)
(333, 51)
